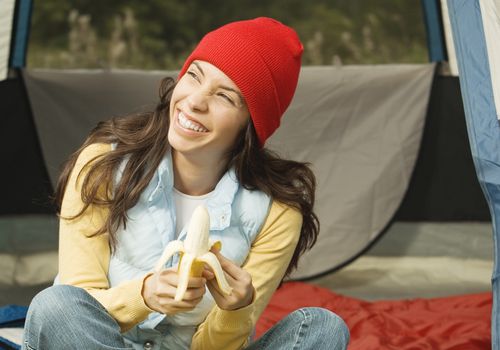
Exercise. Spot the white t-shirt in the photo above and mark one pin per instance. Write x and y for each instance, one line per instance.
(184, 207)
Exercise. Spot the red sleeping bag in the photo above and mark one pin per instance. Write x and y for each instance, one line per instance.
(452, 323)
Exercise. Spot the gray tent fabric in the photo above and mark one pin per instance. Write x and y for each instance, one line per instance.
(359, 126)
(66, 105)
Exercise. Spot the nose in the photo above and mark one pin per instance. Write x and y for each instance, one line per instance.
(197, 101)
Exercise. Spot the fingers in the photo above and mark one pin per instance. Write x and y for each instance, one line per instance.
(217, 294)
(239, 279)
(208, 274)
(235, 275)
(170, 307)
(227, 265)
(187, 304)
(197, 282)
(194, 293)
(171, 277)
(158, 296)
(167, 287)
(240, 297)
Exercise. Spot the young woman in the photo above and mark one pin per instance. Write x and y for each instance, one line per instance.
(132, 186)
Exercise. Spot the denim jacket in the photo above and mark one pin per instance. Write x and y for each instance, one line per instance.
(236, 217)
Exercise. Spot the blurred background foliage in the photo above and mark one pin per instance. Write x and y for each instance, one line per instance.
(159, 34)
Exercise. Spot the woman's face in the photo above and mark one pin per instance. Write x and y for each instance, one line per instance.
(207, 112)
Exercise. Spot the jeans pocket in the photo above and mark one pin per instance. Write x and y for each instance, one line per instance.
(27, 346)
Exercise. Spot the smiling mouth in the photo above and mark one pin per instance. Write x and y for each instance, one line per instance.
(188, 124)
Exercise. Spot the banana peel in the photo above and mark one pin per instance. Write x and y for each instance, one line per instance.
(195, 253)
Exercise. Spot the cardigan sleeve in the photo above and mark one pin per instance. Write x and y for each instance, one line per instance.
(267, 261)
(84, 257)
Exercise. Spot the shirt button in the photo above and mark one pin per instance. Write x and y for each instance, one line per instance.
(148, 345)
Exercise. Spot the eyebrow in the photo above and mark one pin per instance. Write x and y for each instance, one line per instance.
(199, 67)
(242, 101)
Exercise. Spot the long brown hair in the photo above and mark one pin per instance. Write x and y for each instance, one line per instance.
(142, 138)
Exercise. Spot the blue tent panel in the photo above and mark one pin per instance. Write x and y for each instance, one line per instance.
(481, 118)
(433, 26)
(21, 31)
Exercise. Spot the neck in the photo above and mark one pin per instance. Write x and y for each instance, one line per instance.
(194, 176)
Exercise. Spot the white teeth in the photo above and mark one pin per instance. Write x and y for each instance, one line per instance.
(185, 123)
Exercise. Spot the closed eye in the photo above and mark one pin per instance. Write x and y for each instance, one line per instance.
(193, 75)
(226, 97)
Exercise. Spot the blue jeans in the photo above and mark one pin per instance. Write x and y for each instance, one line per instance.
(67, 317)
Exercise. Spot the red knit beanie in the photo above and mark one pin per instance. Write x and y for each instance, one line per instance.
(262, 57)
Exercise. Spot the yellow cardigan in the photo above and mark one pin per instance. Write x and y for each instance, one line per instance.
(84, 262)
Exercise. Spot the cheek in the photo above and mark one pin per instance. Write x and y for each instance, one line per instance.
(232, 123)
(173, 100)
(180, 89)
(171, 118)
(233, 126)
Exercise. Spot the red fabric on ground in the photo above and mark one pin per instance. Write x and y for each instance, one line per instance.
(452, 323)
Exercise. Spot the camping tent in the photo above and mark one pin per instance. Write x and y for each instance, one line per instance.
(388, 144)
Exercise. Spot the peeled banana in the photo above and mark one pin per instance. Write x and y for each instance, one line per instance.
(195, 252)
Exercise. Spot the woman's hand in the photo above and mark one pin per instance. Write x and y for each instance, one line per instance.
(159, 291)
(239, 279)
